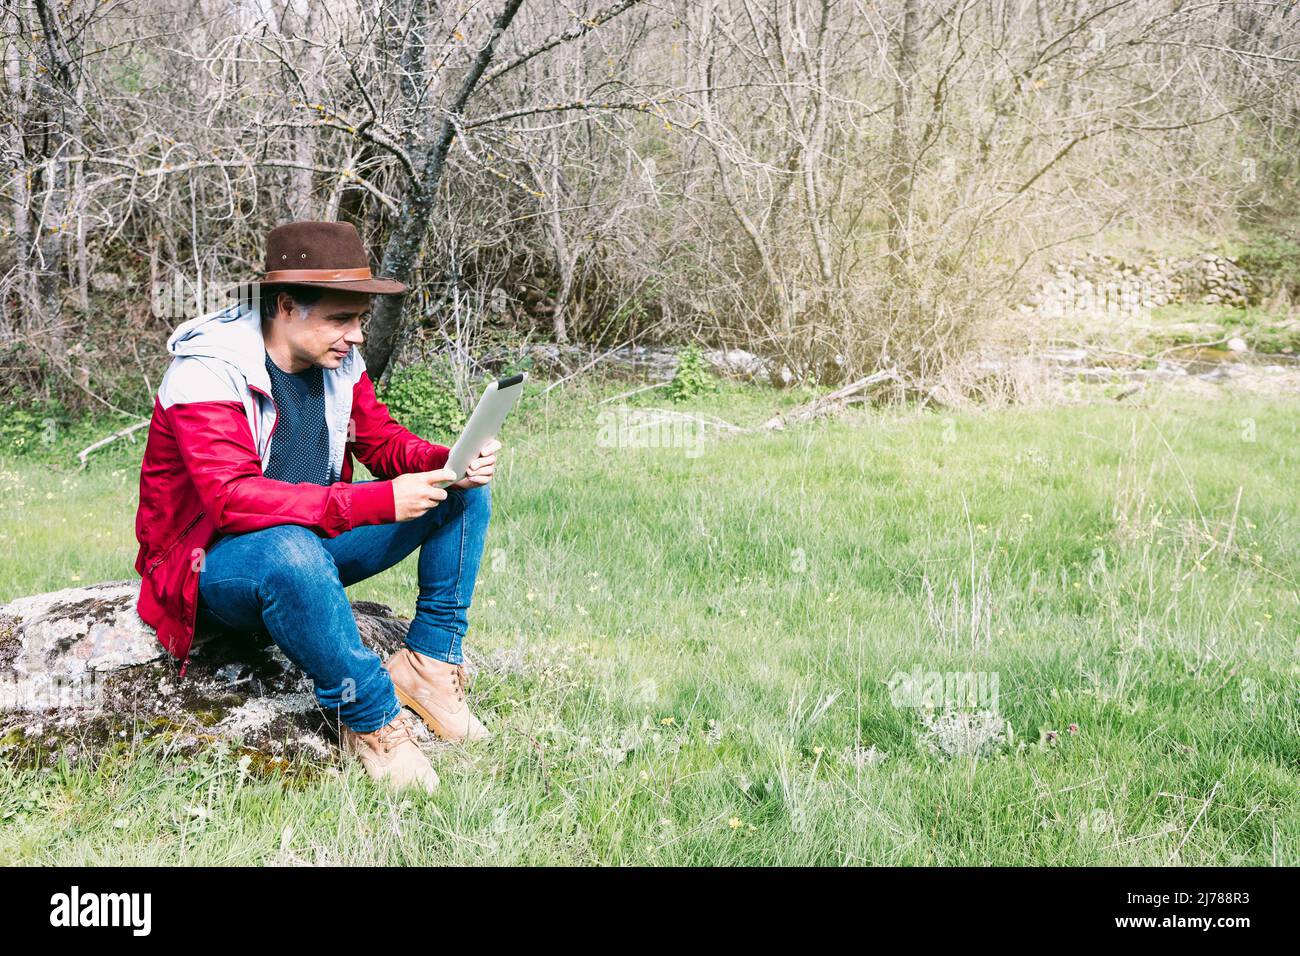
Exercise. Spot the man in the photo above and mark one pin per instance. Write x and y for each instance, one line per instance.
(249, 518)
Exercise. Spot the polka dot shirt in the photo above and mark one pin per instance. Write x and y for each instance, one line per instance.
(300, 444)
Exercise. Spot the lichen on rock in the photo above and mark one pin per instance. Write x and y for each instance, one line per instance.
(79, 667)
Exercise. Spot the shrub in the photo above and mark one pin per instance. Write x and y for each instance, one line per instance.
(423, 398)
(1274, 262)
(964, 734)
(25, 429)
(693, 377)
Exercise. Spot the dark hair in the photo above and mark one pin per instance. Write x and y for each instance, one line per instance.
(303, 295)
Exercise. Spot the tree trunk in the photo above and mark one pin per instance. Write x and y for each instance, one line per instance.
(900, 166)
(56, 94)
(17, 91)
(301, 200)
(406, 241)
(776, 293)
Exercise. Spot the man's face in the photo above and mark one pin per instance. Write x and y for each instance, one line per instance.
(324, 334)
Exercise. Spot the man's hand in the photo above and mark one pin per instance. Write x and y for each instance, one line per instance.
(416, 492)
(481, 469)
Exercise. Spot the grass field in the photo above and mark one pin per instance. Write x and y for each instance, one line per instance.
(690, 653)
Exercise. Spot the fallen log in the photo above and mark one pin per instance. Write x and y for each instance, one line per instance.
(831, 403)
(130, 430)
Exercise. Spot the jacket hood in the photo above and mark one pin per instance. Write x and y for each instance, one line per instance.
(232, 335)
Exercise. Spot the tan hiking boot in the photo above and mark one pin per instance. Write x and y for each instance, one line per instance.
(435, 690)
(391, 754)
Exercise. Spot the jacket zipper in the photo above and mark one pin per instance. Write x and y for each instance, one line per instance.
(158, 560)
(274, 424)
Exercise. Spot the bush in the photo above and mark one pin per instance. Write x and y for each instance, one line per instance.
(1274, 262)
(693, 377)
(20, 431)
(423, 398)
(24, 429)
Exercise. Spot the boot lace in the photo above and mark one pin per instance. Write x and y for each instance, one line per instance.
(400, 730)
(461, 680)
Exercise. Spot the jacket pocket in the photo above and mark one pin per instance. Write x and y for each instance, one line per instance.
(177, 540)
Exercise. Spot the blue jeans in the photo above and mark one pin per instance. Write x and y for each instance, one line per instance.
(288, 582)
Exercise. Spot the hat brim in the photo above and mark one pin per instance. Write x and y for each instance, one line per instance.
(374, 286)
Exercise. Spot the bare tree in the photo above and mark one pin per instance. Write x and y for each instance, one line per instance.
(831, 182)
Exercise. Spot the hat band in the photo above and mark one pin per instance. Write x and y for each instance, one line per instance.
(318, 275)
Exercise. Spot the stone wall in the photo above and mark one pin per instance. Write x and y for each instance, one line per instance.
(1096, 285)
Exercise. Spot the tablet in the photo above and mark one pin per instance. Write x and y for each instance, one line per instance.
(498, 398)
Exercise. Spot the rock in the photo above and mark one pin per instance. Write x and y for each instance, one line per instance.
(783, 377)
(1236, 344)
(737, 363)
(1094, 285)
(64, 635)
(1063, 356)
(550, 358)
(82, 659)
(654, 363)
(106, 282)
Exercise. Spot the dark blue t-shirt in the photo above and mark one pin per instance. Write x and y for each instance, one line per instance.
(300, 444)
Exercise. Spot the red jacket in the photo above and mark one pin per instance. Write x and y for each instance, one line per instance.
(209, 441)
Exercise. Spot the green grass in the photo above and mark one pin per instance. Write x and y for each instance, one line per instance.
(688, 655)
(1262, 329)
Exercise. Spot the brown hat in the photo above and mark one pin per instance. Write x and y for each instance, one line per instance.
(328, 255)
